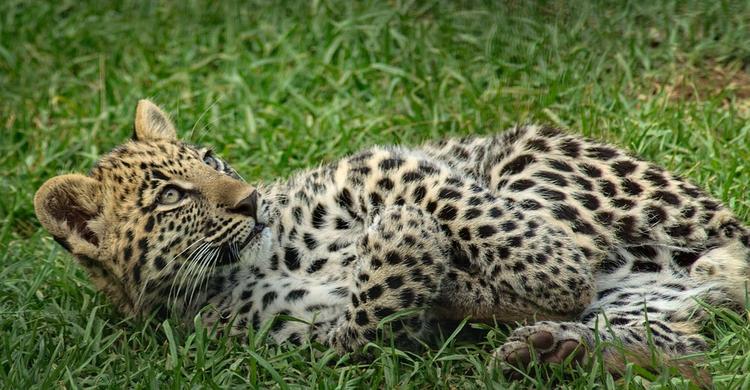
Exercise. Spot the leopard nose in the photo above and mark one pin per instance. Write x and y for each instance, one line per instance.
(247, 206)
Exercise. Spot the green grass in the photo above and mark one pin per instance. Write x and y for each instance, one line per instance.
(281, 87)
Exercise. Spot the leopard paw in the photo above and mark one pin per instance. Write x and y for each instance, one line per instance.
(545, 342)
(345, 338)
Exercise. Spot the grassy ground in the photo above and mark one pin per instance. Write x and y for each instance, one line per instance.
(281, 87)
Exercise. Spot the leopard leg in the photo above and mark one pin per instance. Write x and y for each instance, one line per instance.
(644, 319)
(536, 272)
(518, 252)
(727, 267)
(401, 265)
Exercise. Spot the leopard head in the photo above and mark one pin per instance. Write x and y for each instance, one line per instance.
(156, 219)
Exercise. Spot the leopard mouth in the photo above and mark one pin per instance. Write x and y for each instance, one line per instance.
(257, 229)
(230, 252)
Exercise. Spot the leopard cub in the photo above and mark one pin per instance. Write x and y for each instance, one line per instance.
(574, 239)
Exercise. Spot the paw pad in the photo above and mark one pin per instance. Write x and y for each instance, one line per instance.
(547, 345)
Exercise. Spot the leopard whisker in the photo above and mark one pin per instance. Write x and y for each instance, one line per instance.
(203, 284)
(201, 270)
(181, 270)
(200, 117)
(198, 241)
(234, 251)
(142, 293)
(186, 271)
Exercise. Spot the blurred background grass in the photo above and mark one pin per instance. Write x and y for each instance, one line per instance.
(278, 86)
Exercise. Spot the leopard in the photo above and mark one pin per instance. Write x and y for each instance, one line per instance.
(578, 243)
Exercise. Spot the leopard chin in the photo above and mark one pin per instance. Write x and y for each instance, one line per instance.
(231, 252)
(258, 248)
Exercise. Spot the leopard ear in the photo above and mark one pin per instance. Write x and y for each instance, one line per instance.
(69, 207)
(66, 206)
(152, 124)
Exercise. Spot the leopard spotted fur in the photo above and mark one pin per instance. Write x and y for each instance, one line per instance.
(575, 239)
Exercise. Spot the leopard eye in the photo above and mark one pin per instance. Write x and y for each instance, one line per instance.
(170, 196)
(212, 162)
